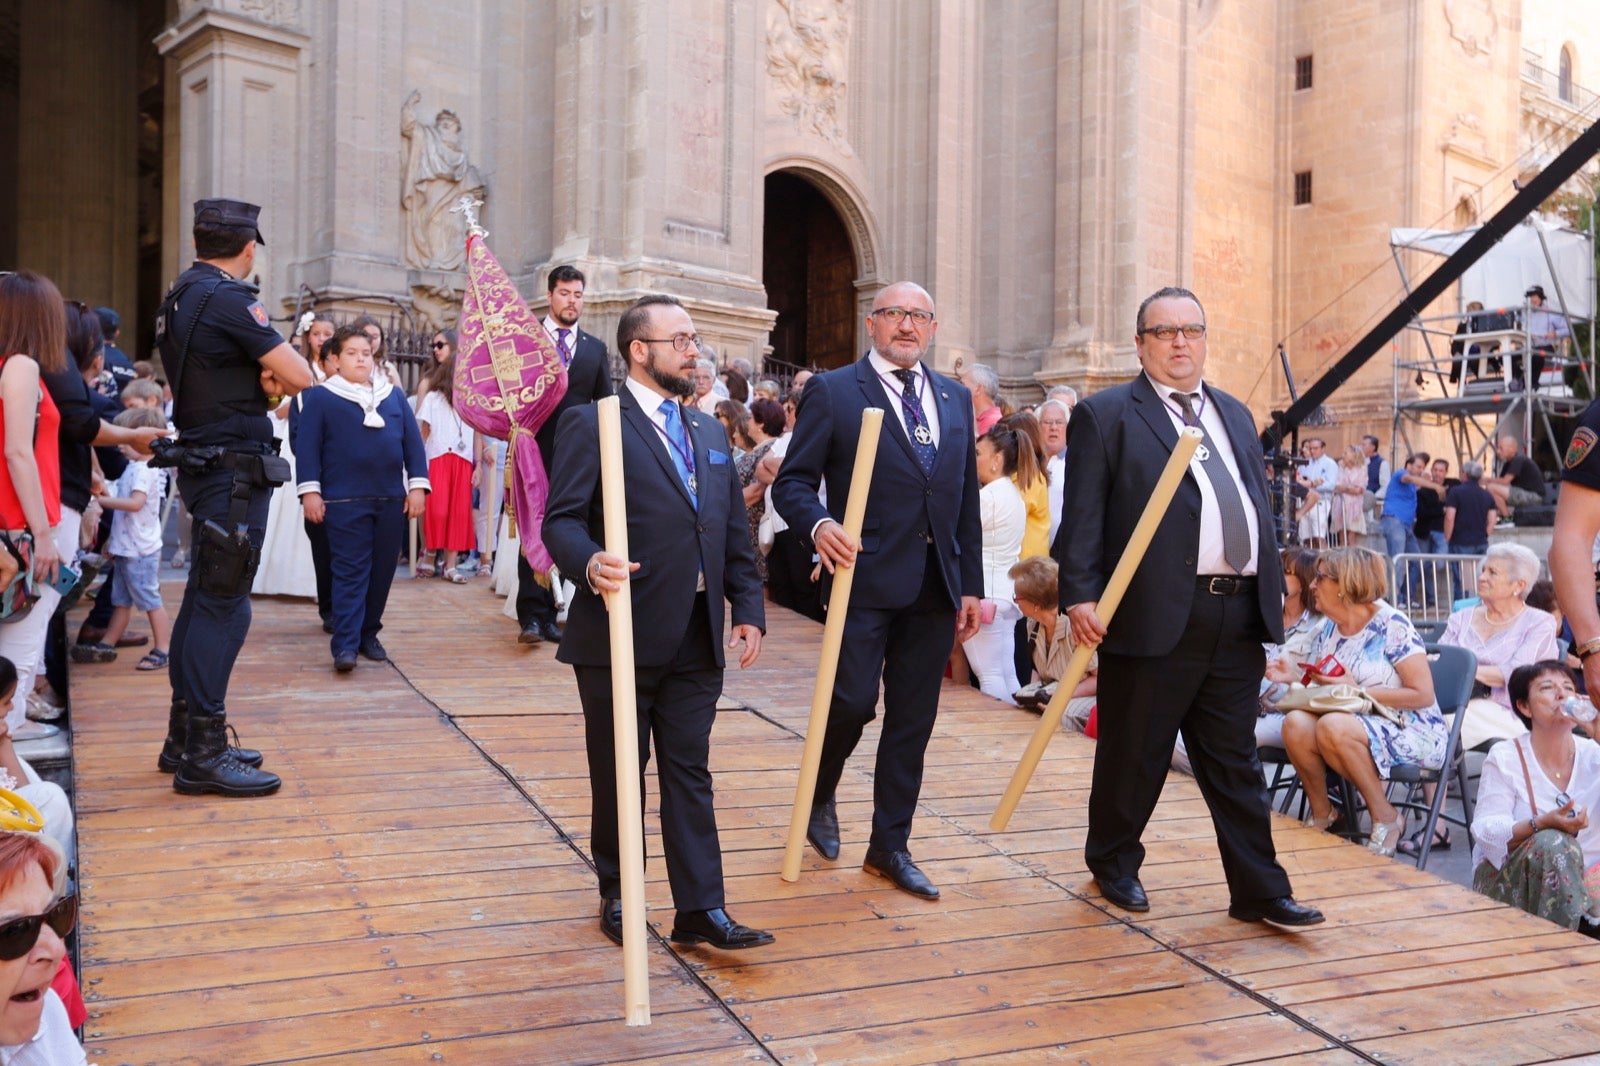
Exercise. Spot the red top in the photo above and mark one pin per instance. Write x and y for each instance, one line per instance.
(46, 456)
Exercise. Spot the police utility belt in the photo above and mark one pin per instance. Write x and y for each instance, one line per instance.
(225, 557)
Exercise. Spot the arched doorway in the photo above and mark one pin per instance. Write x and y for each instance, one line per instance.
(809, 268)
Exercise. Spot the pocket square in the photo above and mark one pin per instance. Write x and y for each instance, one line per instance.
(716, 458)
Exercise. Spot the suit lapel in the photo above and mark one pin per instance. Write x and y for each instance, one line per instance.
(953, 438)
(694, 421)
(873, 390)
(645, 428)
(1154, 412)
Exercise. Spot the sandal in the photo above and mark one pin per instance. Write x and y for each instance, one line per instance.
(454, 577)
(1385, 838)
(1412, 845)
(153, 660)
(424, 569)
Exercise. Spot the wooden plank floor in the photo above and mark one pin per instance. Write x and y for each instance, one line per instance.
(418, 893)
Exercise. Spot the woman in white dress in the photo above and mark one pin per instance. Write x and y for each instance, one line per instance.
(286, 566)
(1005, 519)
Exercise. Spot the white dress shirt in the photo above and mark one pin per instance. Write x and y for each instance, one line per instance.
(893, 391)
(1056, 469)
(1211, 559)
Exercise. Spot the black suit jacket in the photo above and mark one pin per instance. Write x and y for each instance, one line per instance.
(588, 380)
(1120, 440)
(667, 536)
(904, 504)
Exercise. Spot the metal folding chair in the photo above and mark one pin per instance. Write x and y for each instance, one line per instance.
(1452, 669)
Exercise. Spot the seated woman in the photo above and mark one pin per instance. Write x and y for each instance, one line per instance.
(1034, 583)
(363, 471)
(1362, 641)
(1533, 838)
(1504, 633)
(1004, 516)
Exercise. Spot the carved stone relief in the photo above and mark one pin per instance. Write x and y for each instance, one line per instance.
(1473, 26)
(808, 59)
(437, 173)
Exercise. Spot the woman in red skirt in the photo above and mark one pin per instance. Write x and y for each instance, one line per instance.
(451, 444)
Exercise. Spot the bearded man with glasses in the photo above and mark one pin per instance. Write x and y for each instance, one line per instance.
(1184, 652)
(919, 573)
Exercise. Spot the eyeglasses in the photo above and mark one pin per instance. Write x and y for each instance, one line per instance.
(680, 341)
(1194, 331)
(1321, 576)
(18, 936)
(440, 344)
(894, 315)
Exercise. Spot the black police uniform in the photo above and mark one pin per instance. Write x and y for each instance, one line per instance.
(212, 331)
(1581, 463)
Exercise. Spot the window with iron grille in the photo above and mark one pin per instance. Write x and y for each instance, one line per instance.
(1302, 72)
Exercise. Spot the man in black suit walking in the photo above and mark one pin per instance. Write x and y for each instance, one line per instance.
(1184, 650)
(918, 566)
(588, 380)
(691, 549)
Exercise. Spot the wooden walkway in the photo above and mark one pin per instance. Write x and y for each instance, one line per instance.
(418, 893)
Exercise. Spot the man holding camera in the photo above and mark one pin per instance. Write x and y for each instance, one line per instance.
(228, 367)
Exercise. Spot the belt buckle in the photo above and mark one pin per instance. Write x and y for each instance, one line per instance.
(1222, 586)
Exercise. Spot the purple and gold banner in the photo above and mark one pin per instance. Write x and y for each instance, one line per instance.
(509, 378)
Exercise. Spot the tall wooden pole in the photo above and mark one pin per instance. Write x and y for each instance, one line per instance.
(1160, 499)
(625, 727)
(855, 510)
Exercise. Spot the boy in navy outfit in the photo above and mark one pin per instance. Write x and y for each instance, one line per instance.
(363, 472)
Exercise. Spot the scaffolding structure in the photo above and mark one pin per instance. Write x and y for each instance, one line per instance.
(1475, 358)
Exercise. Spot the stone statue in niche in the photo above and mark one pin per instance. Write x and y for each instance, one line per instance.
(808, 55)
(437, 174)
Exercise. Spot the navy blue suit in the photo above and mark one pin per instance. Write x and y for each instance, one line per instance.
(921, 552)
(1175, 657)
(678, 633)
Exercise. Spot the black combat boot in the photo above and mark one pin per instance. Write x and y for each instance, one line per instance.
(177, 736)
(208, 764)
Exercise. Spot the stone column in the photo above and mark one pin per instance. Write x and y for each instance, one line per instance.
(238, 86)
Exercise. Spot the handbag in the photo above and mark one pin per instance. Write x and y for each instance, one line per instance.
(19, 595)
(1327, 699)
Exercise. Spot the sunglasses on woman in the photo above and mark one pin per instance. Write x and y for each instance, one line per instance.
(19, 935)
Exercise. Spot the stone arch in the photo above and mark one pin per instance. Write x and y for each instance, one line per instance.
(848, 201)
(1567, 73)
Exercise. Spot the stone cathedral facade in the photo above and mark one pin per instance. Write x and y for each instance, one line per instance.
(1039, 165)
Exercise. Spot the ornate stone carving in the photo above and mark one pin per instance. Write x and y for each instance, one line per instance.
(1465, 135)
(1473, 26)
(276, 12)
(437, 174)
(808, 57)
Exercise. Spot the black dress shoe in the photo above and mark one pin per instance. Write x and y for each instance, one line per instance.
(327, 625)
(1282, 911)
(344, 662)
(898, 867)
(717, 928)
(530, 634)
(550, 632)
(373, 649)
(1125, 892)
(823, 830)
(611, 919)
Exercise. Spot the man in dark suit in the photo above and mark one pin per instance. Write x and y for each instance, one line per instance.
(918, 579)
(588, 380)
(1184, 650)
(691, 549)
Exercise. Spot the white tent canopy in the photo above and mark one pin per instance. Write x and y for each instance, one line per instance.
(1500, 278)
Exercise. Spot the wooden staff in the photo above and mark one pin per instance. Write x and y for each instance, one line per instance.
(855, 510)
(1160, 499)
(625, 725)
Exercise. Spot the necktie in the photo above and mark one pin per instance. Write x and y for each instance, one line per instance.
(1235, 527)
(563, 347)
(916, 421)
(679, 447)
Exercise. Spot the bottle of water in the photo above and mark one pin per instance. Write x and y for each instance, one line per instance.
(1578, 708)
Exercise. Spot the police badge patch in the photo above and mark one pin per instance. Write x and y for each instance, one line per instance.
(258, 312)
(1583, 443)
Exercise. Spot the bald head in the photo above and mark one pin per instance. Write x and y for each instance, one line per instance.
(901, 324)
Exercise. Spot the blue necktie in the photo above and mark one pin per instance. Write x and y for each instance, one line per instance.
(916, 421)
(679, 447)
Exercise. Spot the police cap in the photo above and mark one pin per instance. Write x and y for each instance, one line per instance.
(219, 212)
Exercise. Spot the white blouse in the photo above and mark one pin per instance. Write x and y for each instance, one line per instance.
(1503, 798)
(1005, 520)
(448, 433)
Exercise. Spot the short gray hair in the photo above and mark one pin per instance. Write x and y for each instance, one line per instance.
(1520, 561)
(1471, 471)
(706, 364)
(985, 378)
(1066, 394)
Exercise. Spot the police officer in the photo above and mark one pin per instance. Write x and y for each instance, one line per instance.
(227, 367)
